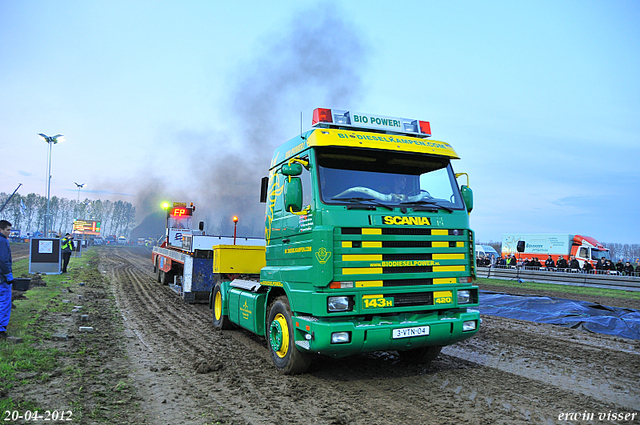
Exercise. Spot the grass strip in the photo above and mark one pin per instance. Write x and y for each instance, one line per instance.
(557, 288)
(31, 357)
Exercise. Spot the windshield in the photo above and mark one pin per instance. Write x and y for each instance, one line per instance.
(386, 178)
(597, 254)
(180, 222)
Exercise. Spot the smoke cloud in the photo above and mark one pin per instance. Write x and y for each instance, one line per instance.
(314, 63)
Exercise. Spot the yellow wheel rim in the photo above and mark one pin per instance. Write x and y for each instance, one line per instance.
(217, 305)
(280, 335)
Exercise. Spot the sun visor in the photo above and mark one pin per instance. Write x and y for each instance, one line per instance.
(370, 140)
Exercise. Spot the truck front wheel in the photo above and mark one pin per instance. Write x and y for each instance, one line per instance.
(287, 358)
(220, 321)
(420, 355)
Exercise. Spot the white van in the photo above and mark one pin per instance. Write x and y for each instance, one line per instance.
(485, 252)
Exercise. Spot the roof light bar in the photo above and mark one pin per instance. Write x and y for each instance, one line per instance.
(323, 117)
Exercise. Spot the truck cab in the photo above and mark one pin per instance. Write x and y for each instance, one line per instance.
(368, 245)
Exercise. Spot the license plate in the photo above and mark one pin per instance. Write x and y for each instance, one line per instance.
(409, 332)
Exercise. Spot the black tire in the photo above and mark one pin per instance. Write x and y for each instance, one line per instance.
(167, 277)
(158, 275)
(420, 355)
(220, 321)
(286, 356)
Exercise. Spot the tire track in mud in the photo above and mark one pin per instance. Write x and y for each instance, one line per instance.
(369, 389)
(599, 366)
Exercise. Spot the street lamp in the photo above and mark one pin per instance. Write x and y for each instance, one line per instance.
(51, 141)
(80, 186)
(235, 224)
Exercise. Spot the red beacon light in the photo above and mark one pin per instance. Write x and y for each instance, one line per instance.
(323, 117)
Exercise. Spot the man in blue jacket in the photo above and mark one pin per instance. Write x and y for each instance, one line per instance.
(6, 277)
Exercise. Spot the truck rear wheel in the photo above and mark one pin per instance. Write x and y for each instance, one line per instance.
(220, 321)
(287, 358)
(167, 278)
(420, 355)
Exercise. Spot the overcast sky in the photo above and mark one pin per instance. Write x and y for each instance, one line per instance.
(186, 100)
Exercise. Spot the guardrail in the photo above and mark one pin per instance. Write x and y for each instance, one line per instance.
(611, 281)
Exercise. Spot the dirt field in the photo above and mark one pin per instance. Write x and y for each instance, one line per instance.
(174, 368)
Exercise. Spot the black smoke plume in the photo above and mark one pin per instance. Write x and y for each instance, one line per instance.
(315, 62)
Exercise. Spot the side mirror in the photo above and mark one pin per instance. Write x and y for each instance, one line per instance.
(294, 169)
(293, 194)
(264, 189)
(467, 196)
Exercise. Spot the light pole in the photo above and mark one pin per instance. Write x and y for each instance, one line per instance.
(235, 224)
(80, 186)
(51, 141)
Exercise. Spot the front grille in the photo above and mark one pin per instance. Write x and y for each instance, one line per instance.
(395, 257)
(404, 231)
(411, 299)
(407, 282)
(389, 270)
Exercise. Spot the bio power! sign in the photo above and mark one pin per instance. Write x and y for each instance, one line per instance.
(380, 122)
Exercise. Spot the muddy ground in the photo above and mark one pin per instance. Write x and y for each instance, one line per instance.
(157, 360)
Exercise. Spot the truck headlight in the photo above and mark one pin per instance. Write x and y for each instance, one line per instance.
(469, 325)
(464, 297)
(341, 303)
(340, 337)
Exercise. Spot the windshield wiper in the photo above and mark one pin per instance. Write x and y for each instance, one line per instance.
(427, 202)
(360, 200)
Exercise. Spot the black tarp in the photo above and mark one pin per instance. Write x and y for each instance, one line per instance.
(623, 322)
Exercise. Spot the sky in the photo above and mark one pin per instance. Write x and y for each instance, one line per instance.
(185, 101)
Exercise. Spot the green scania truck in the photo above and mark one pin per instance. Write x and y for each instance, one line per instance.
(368, 246)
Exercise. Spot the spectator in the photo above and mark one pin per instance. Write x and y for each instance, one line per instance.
(609, 266)
(562, 263)
(6, 277)
(620, 266)
(600, 265)
(628, 269)
(574, 265)
(511, 261)
(536, 262)
(587, 267)
(638, 269)
(549, 263)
